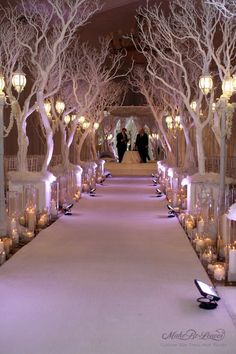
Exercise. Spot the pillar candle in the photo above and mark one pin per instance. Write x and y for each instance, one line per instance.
(232, 264)
(13, 223)
(31, 218)
(212, 228)
(224, 228)
(15, 237)
(200, 226)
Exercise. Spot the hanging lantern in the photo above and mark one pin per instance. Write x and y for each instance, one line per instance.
(67, 119)
(96, 125)
(60, 106)
(168, 120)
(227, 86)
(86, 125)
(47, 107)
(177, 119)
(2, 84)
(19, 81)
(81, 119)
(205, 84)
(193, 105)
(110, 136)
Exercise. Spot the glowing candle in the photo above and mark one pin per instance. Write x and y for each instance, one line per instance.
(208, 241)
(31, 218)
(200, 245)
(22, 220)
(219, 272)
(15, 237)
(189, 225)
(42, 222)
(7, 245)
(28, 235)
(13, 223)
(200, 226)
(207, 256)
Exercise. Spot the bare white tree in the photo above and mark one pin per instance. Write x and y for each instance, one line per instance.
(52, 24)
(144, 83)
(12, 59)
(227, 7)
(181, 42)
(112, 94)
(96, 68)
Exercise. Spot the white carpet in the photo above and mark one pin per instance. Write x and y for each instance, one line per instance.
(116, 277)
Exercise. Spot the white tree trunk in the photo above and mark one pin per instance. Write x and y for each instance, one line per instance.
(189, 159)
(48, 132)
(93, 146)
(64, 147)
(23, 143)
(3, 224)
(81, 143)
(200, 151)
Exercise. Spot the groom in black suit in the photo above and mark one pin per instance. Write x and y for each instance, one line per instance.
(121, 145)
(142, 145)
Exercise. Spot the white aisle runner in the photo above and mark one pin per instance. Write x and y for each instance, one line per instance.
(116, 277)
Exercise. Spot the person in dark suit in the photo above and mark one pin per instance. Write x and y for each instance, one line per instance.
(141, 145)
(121, 145)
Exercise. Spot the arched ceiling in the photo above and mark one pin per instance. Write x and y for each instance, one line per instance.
(116, 19)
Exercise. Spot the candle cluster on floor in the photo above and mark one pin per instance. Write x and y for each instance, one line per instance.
(213, 235)
(26, 219)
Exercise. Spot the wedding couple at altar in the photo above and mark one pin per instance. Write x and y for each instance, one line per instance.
(141, 144)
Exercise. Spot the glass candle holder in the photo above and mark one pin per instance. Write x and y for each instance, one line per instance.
(30, 214)
(30, 196)
(14, 203)
(231, 246)
(55, 193)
